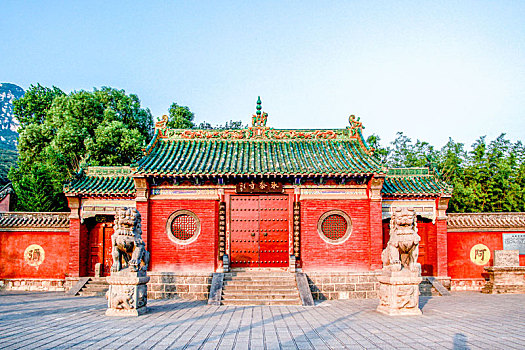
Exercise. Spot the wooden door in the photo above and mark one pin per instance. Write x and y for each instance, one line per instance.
(422, 230)
(244, 231)
(259, 231)
(96, 247)
(108, 258)
(273, 237)
(100, 248)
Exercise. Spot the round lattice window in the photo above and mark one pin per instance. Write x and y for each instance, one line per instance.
(183, 227)
(334, 226)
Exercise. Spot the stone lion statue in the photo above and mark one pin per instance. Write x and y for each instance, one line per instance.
(402, 249)
(128, 246)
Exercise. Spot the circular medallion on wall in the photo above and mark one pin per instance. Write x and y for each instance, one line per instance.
(334, 226)
(480, 254)
(34, 255)
(183, 227)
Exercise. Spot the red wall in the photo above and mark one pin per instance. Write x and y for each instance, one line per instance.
(427, 247)
(318, 255)
(459, 244)
(166, 255)
(13, 245)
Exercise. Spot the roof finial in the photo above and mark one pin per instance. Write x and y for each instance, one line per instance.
(259, 105)
(259, 119)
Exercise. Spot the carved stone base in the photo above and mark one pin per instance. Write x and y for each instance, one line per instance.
(127, 294)
(399, 293)
(126, 312)
(505, 279)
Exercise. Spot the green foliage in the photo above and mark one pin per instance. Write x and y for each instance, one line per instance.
(231, 125)
(38, 187)
(59, 132)
(488, 178)
(32, 108)
(180, 117)
(7, 160)
(381, 153)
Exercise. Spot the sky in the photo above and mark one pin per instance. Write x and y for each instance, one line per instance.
(432, 69)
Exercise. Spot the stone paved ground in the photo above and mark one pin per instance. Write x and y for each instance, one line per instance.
(462, 321)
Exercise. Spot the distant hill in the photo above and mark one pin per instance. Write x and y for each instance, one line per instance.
(8, 124)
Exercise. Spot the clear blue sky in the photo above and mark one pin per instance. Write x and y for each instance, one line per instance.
(431, 69)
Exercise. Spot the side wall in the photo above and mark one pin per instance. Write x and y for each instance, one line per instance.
(459, 245)
(14, 264)
(351, 255)
(468, 230)
(168, 256)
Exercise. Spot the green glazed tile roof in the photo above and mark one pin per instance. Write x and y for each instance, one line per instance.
(257, 150)
(413, 181)
(103, 181)
(186, 157)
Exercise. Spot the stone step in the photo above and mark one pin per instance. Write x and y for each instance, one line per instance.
(255, 288)
(260, 288)
(260, 278)
(260, 292)
(97, 280)
(261, 282)
(95, 288)
(259, 296)
(92, 294)
(250, 302)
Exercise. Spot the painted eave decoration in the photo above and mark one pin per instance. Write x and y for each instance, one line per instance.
(406, 182)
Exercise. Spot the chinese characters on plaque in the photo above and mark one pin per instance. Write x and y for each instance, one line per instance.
(34, 255)
(480, 254)
(259, 187)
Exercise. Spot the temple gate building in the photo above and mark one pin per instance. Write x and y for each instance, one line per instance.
(314, 200)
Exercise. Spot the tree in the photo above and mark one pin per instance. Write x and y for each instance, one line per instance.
(231, 125)
(490, 177)
(59, 132)
(380, 152)
(32, 108)
(180, 117)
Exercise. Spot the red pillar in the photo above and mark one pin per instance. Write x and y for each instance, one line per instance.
(376, 225)
(376, 235)
(77, 240)
(143, 208)
(442, 259)
(142, 205)
(441, 228)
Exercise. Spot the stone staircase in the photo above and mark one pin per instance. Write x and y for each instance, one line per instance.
(270, 287)
(95, 286)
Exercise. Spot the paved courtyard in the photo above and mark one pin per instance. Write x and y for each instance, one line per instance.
(462, 321)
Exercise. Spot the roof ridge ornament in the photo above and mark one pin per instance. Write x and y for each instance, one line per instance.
(355, 124)
(260, 117)
(162, 123)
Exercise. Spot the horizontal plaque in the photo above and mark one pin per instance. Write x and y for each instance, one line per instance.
(333, 193)
(259, 187)
(514, 241)
(184, 193)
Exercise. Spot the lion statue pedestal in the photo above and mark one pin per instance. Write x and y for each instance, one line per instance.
(128, 291)
(401, 274)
